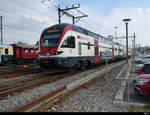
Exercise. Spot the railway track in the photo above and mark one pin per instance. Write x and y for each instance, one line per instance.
(55, 96)
(16, 69)
(11, 87)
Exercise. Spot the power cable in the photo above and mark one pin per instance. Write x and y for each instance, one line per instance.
(17, 28)
(35, 10)
(20, 16)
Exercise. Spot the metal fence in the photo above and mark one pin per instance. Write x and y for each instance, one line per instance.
(122, 77)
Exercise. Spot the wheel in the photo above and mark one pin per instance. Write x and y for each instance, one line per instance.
(77, 65)
(71, 69)
(86, 64)
(82, 65)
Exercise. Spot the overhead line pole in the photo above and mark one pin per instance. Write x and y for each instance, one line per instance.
(124, 37)
(1, 17)
(63, 11)
(127, 40)
(134, 42)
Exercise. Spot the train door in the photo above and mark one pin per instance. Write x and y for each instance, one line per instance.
(0, 55)
(18, 52)
(119, 50)
(72, 45)
(96, 58)
(68, 46)
(80, 48)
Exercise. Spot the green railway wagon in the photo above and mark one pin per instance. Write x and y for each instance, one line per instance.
(6, 54)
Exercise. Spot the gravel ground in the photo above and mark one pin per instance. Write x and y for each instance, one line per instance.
(94, 99)
(97, 98)
(13, 102)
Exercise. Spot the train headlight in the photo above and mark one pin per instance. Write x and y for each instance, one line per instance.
(48, 54)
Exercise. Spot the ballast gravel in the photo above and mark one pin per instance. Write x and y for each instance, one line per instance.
(12, 102)
(94, 99)
(98, 98)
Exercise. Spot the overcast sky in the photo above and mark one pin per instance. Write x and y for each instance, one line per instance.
(24, 20)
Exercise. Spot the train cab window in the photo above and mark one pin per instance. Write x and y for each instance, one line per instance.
(6, 51)
(69, 42)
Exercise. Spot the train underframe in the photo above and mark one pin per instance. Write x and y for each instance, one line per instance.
(74, 63)
(24, 61)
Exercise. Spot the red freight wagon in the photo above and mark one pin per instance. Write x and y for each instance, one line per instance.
(24, 54)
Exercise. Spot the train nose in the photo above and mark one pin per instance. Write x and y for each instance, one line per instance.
(45, 63)
(49, 51)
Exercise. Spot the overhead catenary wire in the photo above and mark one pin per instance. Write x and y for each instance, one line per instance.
(19, 16)
(13, 18)
(92, 27)
(24, 25)
(26, 6)
(125, 15)
(62, 3)
(26, 20)
(20, 28)
(35, 10)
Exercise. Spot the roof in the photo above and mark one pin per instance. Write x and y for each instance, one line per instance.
(61, 25)
(144, 76)
(5, 45)
(25, 46)
(147, 63)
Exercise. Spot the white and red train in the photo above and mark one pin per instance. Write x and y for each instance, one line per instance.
(69, 46)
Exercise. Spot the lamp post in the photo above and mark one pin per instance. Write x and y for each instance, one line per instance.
(1, 28)
(115, 33)
(126, 22)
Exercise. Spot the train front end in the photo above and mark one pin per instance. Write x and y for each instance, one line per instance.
(50, 54)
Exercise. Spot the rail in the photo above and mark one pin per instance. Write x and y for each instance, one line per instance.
(62, 91)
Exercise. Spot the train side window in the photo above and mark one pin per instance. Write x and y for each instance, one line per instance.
(6, 51)
(32, 50)
(69, 42)
(25, 50)
(37, 50)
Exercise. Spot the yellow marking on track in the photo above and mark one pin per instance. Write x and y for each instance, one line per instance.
(25, 66)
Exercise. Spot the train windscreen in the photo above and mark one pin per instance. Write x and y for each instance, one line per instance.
(51, 36)
(50, 40)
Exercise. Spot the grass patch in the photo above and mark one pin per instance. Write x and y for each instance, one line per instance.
(146, 108)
